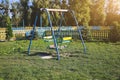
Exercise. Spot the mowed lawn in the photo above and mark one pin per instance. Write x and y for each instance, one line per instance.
(101, 62)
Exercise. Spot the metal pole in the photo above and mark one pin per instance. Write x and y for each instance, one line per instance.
(53, 35)
(34, 27)
(79, 31)
(40, 20)
(23, 24)
(61, 19)
(56, 10)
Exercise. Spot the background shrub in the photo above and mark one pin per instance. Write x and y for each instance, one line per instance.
(29, 36)
(115, 32)
(9, 32)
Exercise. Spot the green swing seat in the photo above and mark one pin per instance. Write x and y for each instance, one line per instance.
(62, 40)
(48, 38)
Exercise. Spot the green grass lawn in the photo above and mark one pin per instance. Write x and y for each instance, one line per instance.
(102, 61)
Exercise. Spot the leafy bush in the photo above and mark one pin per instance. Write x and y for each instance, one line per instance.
(86, 34)
(115, 32)
(9, 33)
(29, 36)
(19, 37)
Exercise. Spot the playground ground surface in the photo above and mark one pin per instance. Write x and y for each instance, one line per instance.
(101, 62)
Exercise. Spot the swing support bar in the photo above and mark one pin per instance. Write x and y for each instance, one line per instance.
(54, 10)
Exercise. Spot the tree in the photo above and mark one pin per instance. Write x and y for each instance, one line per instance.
(25, 10)
(17, 13)
(36, 9)
(82, 10)
(9, 33)
(64, 5)
(46, 4)
(4, 8)
(29, 12)
(112, 11)
(55, 16)
(115, 32)
(97, 12)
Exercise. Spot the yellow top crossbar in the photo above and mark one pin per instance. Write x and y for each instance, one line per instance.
(57, 10)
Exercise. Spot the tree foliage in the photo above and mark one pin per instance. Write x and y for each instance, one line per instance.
(82, 10)
(112, 11)
(9, 33)
(26, 12)
(88, 12)
(97, 12)
(17, 13)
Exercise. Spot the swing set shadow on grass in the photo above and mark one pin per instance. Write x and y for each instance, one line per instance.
(50, 55)
(42, 55)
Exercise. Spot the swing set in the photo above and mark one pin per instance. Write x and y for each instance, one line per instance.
(54, 36)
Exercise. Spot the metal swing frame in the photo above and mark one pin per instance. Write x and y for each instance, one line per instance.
(52, 30)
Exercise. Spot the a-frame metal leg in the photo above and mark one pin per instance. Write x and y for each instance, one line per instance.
(53, 35)
(33, 31)
(79, 31)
